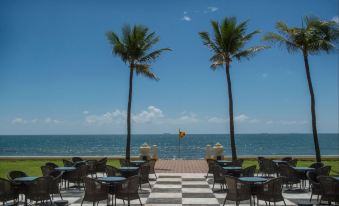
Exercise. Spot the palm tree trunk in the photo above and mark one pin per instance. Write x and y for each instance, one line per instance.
(128, 141)
(314, 119)
(230, 108)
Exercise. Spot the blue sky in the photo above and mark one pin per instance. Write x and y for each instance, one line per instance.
(58, 76)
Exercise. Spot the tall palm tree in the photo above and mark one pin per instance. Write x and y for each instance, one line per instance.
(133, 47)
(227, 44)
(313, 37)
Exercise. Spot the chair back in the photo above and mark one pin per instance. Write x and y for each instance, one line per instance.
(124, 163)
(51, 165)
(46, 170)
(236, 189)
(210, 164)
(273, 186)
(39, 189)
(15, 174)
(236, 163)
(268, 166)
(101, 165)
(249, 171)
(67, 163)
(77, 159)
(7, 190)
(329, 187)
(292, 163)
(144, 173)
(94, 188)
(151, 164)
(260, 163)
(323, 171)
(218, 172)
(92, 165)
(317, 165)
(112, 171)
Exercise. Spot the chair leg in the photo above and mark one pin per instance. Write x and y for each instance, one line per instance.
(213, 186)
(150, 186)
(224, 201)
(284, 202)
(82, 201)
(140, 201)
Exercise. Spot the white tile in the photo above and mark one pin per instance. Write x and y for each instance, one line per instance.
(166, 186)
(194, 182)
(196, 190)
(205, 201)
(165, 195)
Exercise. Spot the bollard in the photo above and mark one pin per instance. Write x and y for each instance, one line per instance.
(145, 151)
(155, 152)
(218, 150)
(208, 154)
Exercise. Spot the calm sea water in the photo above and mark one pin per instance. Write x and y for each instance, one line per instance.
(192, 146)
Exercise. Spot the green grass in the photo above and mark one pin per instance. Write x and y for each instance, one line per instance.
(32, 167)
(305, 163)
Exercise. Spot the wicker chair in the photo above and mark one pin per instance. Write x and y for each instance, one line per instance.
(292, 163)
(92, 167)
(323, 171)
(290, 175)
(15, 174)
(67, 163)
(112, 171)
(269, 168)
(249, 171)
(76, 176)
(95, 191)
(151, 163)
(101, 165)
(270, 191)
(317, 165)
(219, 176)
(210, 164)
(51, 165)
(38, 189)
(77, 159)
(8, 191)
(287, 159)
(144, 175)
(261, 165)
(54, 187)
(236, 163)
(128, 190)
(314, 184)
(329, 187)
(237, 191)
(46, 170)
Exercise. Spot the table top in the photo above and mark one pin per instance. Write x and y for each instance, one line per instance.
(337, 178)
(224, 161)
(232, 168)
(279, 161)
(25, 179)
(304, 168)
(65, 168)
(112, 179)
(128, 168)
(138, 161)
(252, 179)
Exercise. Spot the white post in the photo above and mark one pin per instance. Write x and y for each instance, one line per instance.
(218, 149)
(155, 152)
(145, 151)
(208, 154)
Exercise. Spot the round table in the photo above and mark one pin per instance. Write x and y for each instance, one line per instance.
(128, 171)
(304, 169)
(112, 179)
(65, 169)
(224, 162)
(234, 171)
(25, 179)
(278, 162)
(254, 181)
(137, 162)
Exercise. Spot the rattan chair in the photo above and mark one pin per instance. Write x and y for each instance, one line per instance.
(55, 183)
(76, 176)
(77, 159)
(51, 165)
(329, 187)
(269, 168)
(92, 168)
(8, 192)
(101, 165)
(46, 170)
(290, 175)
(144, 175)
(292, 163)
(124, 163)
(67, 163)
(219, 176)
(317, 165)
(38, 189)
(151, 163)
(237, 191)
(95, 191)
(323, 171)
(128, 190)
(249, 171)
(236, 163)
(270, 191)
(112, 171)
(314, 184)
(287, 159)
(15, 174)
(261, 165)
(210, 164)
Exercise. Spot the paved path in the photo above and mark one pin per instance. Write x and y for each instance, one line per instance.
(181, 166)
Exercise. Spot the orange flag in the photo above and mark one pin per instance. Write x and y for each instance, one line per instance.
(182, 134)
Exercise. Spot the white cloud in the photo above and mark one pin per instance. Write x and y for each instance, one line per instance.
(151, 115)
(217, 120)
(19, 120)
(115, 117)
(336, 19)
(49, 120)
(241, 118)
(186, 18)
(212, 8)
(85, 112)
(254, 121)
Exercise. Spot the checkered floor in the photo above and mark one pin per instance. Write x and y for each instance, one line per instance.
(188, 189)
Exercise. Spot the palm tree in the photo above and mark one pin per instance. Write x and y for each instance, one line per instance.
(229, 39)
(312, 38)
(133, 47)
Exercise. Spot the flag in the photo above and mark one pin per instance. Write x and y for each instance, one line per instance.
(182, 134)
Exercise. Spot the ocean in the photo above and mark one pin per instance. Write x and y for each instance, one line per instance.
(192, 146)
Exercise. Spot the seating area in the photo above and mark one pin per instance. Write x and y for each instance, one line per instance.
(226, 183)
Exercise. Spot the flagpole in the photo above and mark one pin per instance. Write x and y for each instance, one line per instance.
(179, 144)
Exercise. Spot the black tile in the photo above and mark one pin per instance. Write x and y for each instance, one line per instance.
(169, 190)
(163, 201)
(198, 195)
(165, 176)
(193, 179)
(168, 182)
(195, 186)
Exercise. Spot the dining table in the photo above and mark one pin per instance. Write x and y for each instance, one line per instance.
(112, 181)
(224, 162)
(233, 171)
(65, 169)
(137, 162)
(253, 181)
(128, 171)
(23, 181)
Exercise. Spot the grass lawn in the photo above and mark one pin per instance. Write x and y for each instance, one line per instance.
(32, 167)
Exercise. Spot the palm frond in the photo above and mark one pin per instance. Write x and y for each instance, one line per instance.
(249, 52)
(151, 57)
(281, 40)
(208, 42)
(144, 69)
(217, 61)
